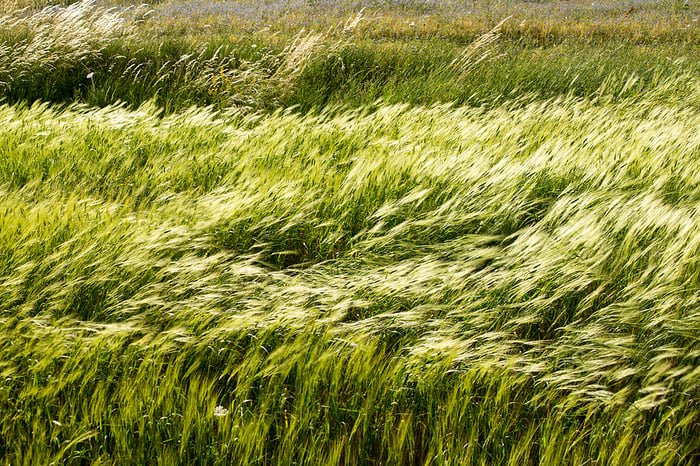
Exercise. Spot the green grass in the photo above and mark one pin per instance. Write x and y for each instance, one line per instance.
(383, 245)
(424, 285)
(102, 57)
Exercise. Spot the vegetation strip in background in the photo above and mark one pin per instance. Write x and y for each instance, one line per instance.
(88, 53)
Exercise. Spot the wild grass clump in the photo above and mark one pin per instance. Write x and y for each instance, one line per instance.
(224, 77)
(84, 52)
(432, 285)
(42, 52)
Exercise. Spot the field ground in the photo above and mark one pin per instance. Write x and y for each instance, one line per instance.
(350, 233)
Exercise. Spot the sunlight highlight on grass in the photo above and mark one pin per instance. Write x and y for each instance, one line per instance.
(438, 284)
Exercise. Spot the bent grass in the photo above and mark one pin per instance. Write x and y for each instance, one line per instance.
(435, 285)
(400, 284)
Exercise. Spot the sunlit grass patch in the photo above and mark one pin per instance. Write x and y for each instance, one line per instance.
(386, 283)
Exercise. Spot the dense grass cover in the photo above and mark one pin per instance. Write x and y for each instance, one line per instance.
(88, 53)
(404, 235)
(396, 284)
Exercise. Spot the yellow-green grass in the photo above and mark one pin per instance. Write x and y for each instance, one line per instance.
(541, 22)
(394, 284)
(377, 274)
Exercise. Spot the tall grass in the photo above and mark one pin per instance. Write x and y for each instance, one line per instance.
(247, 243)
(87, 53)
(81, 52)
(545, 22)
(432, 285)
(41, 53)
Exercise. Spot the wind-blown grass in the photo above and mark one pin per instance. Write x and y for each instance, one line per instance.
(126, 55)
(42, 52)
(276, 246)
(433, 285)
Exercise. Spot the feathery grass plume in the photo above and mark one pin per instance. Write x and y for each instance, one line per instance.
(304, 47)
(10, 6)
(478, 51)
(353, 21)
(14, 5)
(56, 42)
(295, 57)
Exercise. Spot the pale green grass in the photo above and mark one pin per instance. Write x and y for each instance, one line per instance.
(388, 284)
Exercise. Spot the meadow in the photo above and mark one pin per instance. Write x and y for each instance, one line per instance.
(328, 232)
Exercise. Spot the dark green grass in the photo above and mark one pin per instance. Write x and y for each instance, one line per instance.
(415, 72)
(177, 70)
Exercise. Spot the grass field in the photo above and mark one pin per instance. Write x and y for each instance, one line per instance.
(350, 233)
